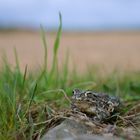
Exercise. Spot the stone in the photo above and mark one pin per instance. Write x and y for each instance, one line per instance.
(73, 130)
(68, 128)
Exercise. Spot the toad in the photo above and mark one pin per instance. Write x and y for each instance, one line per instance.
(97, 106)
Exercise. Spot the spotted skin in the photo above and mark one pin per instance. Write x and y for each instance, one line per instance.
(98, 106)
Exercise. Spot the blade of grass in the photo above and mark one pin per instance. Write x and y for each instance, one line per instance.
(16, 59)
(56, 46)
(24, 76)
(44, 71)
(45, 47)
(31, 98)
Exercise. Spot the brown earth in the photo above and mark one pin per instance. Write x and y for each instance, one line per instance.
(108, 51)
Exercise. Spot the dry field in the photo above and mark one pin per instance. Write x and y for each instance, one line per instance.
(108, 51)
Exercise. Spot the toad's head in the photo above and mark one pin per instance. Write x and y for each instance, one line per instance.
(77, 94)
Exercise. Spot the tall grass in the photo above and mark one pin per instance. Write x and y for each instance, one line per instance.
(21, 93)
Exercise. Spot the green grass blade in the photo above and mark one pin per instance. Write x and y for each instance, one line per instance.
(57, 41)
(56, 46)
(45, 47)
(16, 58)
(32, 96)
(24, 76)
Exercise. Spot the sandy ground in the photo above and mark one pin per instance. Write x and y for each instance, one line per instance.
(109, 51)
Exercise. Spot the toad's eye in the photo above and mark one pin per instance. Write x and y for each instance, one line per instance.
(73, 92)
(76, 91)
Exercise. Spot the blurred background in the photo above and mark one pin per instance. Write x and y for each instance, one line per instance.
(100, 33)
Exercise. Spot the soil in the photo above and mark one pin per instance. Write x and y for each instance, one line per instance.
(108, 50)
